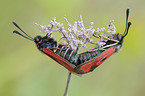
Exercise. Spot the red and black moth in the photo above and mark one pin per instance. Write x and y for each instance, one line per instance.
(78, 63)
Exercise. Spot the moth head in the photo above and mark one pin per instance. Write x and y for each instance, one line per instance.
(38, 39)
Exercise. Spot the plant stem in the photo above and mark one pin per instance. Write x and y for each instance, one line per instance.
(67, 85)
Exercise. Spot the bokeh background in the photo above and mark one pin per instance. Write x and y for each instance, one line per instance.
(24, 71)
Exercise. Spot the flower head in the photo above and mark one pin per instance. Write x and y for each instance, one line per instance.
(77, 35)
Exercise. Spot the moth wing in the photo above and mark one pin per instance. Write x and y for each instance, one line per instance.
(59, 59)
(95, 62)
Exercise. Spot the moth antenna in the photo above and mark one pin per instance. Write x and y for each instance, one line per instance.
(21, 29)
(22, 35)
(127, 23)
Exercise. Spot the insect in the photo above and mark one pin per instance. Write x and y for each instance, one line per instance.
(78, 63)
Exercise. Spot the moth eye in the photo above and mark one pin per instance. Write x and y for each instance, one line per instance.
(38, 39)
(120, 37)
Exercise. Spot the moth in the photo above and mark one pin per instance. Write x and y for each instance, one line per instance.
(78, 63)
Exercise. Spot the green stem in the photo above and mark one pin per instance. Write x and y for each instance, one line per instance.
(67, 85)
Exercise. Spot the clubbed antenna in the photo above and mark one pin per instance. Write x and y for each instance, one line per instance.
(127, 23)
(21, 35)
(29, 37)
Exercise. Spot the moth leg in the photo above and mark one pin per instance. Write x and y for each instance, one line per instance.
(109, 39)
(109, 45)
(106, 38)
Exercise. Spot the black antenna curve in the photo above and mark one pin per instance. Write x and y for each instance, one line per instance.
(127, 23)
(21, 35)
(21, 30)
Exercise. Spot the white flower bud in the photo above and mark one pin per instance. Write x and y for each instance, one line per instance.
(77, 35)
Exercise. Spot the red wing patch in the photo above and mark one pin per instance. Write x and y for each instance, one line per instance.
(86, 68)
(92, 64)
(105, 55)
(59, 59)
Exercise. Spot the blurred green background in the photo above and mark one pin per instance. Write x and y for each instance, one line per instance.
(24, 71)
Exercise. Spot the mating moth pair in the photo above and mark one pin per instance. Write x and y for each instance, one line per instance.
(78, 63)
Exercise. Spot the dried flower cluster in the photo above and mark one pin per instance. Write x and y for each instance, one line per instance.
(77, 35)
